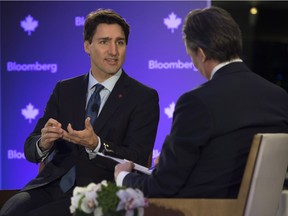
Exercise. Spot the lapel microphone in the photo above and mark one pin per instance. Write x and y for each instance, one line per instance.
(95, 108)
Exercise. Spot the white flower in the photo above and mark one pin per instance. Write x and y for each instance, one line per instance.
(85, 197)
(89, 202)
(74, 202)
(104, 183)
(79, 190)
(131, 199)
(93, 187)
(86, 200)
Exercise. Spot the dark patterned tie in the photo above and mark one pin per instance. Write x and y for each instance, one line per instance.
(67, 181)
(94, 103)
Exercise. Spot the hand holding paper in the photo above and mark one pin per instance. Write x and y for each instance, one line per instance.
(136, 166)
(126, 166)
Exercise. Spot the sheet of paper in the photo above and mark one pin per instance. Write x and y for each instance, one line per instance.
(137, 167)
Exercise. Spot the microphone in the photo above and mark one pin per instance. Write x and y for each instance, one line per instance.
(95, 108)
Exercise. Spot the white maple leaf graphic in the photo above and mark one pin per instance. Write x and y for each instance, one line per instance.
(30, 112)
(156, 153)
(170, 110)
(172, 22)
(29, 24)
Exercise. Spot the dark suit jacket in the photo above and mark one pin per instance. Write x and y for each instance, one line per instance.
(128, 123)
(205, 154)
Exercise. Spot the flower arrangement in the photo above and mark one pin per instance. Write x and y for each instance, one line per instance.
(107, 199)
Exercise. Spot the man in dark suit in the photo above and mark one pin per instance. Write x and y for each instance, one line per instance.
(204, 155)
(66, 138)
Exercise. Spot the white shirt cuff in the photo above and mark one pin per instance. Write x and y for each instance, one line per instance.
(120, 178)
(42, 154)
(93, 153)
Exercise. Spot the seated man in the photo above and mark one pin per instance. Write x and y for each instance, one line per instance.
(205, 154)
(103, 110)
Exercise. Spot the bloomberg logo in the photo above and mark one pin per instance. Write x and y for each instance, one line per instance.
(156, 65)
(13, 66)
(14, 154)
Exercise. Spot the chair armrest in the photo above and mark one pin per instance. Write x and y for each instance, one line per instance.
(197, 207)
(5, 195)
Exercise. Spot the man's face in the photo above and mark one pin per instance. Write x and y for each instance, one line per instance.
(107, 50)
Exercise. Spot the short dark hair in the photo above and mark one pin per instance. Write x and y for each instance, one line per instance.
(106, 16)
(215, 31)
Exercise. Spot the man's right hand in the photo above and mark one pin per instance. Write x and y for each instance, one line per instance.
(51, 132)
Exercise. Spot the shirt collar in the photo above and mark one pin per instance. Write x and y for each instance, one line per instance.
(108, 84)
(217, 67)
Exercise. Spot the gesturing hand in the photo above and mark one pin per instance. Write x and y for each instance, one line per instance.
(86, 137)
(49, 133)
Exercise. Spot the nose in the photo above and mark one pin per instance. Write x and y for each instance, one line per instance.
(113, 49)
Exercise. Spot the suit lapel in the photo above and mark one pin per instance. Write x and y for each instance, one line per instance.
(79, 109)
(119, 92)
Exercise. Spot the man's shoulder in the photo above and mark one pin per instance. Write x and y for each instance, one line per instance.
(73, 81)
(75, 78)
(77, 82)
(140, 84)
(136, 83)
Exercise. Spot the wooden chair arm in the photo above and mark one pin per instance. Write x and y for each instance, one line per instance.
(191, 207)
(5, 195)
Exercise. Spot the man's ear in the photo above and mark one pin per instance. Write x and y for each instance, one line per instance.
(201, 54)
(87, 47)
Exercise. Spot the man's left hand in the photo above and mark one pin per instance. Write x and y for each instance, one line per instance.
(86, 137)
(127, 166)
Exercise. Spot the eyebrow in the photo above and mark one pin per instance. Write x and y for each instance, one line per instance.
(108, 38)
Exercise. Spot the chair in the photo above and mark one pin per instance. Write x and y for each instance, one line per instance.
(259, 192)
(283, 204)
(5, 195)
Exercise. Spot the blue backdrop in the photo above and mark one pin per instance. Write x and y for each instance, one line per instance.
(42, 42)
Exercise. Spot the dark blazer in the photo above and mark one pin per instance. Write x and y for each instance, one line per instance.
(205, 154)
(127, 123)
